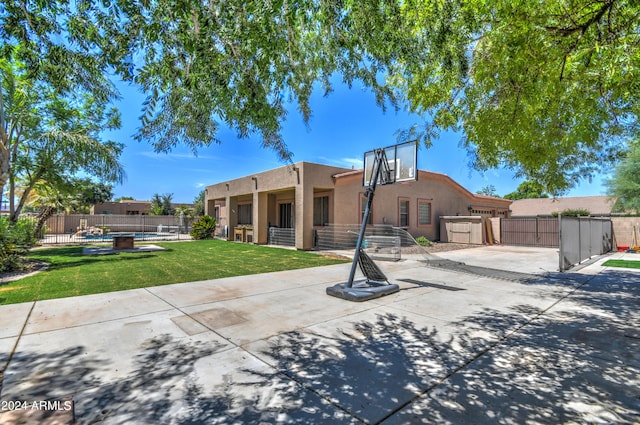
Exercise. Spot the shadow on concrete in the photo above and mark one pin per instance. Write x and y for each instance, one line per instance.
(579, 363)
(146, 395)
(574, 364)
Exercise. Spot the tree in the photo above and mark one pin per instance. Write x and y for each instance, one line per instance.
(90, 193)
(47, 136)
(624, 185)
(527, 190)
(123, 198)
(184, 216)
(162, 205)
(198, 204)
(48, 199)
(156, 205)
(80, 195)
(543, 87)
(167, 205)
(489, 190)
(56, 151)
(54, 48)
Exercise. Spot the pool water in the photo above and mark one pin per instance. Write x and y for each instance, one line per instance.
(109, 236)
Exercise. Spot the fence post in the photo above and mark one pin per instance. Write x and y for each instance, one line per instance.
(560, 243)
(579, 240)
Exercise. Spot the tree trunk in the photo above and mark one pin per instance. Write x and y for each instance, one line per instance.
(42, 219)
(5, 158)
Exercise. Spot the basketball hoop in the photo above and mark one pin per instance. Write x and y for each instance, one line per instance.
(382, 166)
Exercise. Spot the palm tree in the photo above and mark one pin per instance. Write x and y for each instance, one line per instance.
(48, 199)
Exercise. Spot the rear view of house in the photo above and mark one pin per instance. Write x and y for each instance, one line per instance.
(304, 197)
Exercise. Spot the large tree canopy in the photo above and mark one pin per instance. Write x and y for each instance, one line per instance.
(624, 185)
(48, 138)
(547, 88)
(527, 190)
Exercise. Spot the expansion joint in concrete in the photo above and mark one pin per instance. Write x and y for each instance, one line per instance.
(482, 352)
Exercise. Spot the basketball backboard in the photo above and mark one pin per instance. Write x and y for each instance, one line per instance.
(402, 160)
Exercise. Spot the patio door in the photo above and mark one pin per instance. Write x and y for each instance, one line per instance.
(285, 215)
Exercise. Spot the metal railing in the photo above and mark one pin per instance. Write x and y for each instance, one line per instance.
(282, 236)
(87, 228)
(381, 241)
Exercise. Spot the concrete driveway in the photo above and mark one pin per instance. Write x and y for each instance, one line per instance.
(528, 345)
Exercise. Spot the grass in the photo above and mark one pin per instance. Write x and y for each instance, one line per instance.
(629, 264)
(71, 273)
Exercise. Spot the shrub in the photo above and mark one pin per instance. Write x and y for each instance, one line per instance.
(422, 241)
(204, 228)
(573, 213)
(15, 241)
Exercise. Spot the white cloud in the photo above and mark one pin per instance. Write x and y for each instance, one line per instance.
(343, 162)
(355, 162)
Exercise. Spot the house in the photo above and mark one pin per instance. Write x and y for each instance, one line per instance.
(306, 196)
(596, 205)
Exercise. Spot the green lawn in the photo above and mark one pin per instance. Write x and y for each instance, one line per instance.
(629, 264)
(71, 273)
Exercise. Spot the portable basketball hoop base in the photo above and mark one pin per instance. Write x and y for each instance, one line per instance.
(377, 169)
(362, 291)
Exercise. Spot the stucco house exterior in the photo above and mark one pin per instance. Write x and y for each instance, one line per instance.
(306, 196)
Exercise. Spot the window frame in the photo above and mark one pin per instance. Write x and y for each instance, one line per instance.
(402, 199)
(422, 201)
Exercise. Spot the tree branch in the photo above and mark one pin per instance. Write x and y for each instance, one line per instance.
(582, 28)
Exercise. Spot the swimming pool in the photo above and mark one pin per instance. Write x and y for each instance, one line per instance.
(136, 236)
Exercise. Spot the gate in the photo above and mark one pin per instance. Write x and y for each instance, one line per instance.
(530, 231)
(583, 237)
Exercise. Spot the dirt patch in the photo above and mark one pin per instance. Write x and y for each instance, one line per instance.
(31, 267)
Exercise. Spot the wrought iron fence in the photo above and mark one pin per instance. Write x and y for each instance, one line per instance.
(86, 228)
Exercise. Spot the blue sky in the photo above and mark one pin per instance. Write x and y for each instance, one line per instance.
(344, 125)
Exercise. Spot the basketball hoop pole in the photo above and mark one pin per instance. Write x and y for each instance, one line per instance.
(380, 159)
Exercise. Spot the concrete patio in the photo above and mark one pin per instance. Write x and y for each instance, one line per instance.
(528, 346)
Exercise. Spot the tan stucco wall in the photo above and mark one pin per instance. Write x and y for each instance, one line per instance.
(295, 183)
(139, 207)
(445, 195)
(301, 182)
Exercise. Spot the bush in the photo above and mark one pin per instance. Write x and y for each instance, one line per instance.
(15, 241)
(573, 213)
(422, 241)
(204, 228)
